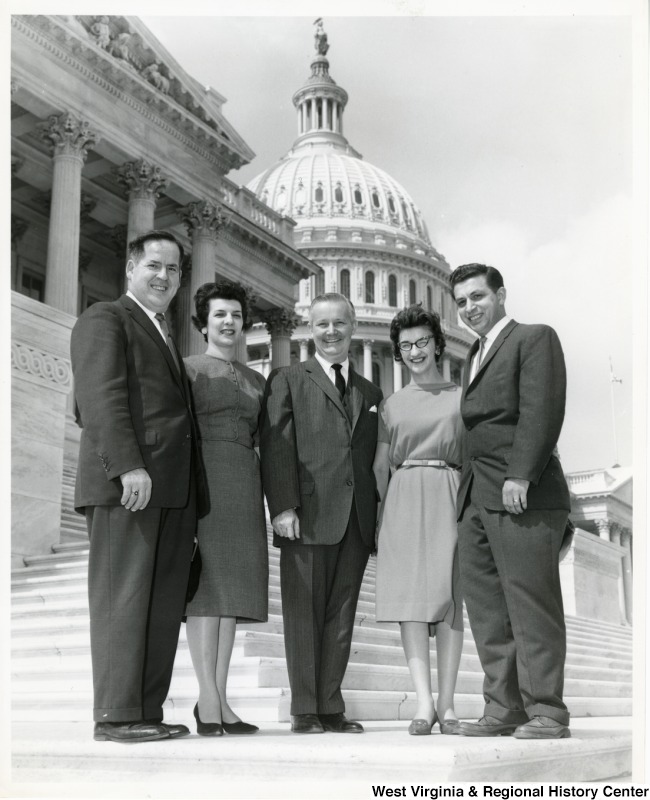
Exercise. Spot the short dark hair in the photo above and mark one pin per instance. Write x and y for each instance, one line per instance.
(222, 290)
(493, 277)
(416, 317)
(136, 246)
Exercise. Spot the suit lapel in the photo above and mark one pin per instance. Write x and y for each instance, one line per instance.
(468, 363)
(148, 326)
(494, 349)
(356, 396)
(317, 374)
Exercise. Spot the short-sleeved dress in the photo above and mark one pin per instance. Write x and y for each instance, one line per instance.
(417, 558)
(232, 537)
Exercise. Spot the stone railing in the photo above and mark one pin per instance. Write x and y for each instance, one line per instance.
(40, 385)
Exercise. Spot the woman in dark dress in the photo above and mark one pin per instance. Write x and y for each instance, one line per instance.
(233, 584)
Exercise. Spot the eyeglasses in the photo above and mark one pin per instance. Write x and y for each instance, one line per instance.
(420, 344)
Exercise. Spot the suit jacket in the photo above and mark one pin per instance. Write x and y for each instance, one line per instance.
(134, 408)
(314, 457)
(513, 412)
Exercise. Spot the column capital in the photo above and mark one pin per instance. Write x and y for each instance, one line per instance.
(142, 180)
(603, 527)
(205, 217)
(280, 321)
(368, 342)
(68, 135)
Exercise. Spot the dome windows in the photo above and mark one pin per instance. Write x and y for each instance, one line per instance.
(375, 199)
(391, 205)
(357, 195)
(281, 202)
(319, 195)
(338, 193)
(429, 299)
(370, 287)
(300, 197)
(345, 283)
(392, 291)
(412, 292)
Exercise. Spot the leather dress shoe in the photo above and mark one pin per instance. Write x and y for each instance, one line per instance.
(175, 731)
(339, 723)
(129, 732)
(486, 726)
(306, 723)
(542, 728)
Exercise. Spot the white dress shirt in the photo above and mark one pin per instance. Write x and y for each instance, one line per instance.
(331, 373)
(150, 314)
(489, 337)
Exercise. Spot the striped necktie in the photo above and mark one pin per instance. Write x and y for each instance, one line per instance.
(164, 327)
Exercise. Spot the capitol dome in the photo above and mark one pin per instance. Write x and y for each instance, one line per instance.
(362, 228)
(326, 183)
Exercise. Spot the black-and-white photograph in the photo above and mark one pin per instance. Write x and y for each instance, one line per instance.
(328, 397)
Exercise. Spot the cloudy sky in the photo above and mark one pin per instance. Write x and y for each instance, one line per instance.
(514, 136)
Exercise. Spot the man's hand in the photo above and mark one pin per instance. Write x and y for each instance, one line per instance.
(136, 485)
(287, 524)
(514, 495)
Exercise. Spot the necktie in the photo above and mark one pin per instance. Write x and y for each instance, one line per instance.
(476, 364)
(339, 380)
(164, 327)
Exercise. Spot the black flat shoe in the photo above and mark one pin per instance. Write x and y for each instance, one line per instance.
(239, 727)
(207, 728)
(449, 727)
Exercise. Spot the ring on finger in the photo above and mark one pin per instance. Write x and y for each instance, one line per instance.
(136, 492)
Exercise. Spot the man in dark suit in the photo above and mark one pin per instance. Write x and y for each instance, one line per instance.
(513, 505)
(318, 439)
(136, 484)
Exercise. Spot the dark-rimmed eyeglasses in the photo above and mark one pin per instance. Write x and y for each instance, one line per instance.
(420, 344)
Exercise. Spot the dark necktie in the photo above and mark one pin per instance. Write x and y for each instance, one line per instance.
(164, 327)
(339, 380)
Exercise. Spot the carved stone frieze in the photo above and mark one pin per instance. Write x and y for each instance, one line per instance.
(142, 180)
(68, 135)
(18, 228)
(280, 321)
(86, 205)
(44, 366)
(204, 216)
(118, 239)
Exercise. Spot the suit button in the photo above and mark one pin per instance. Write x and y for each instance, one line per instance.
(189, 436)
(349, 483)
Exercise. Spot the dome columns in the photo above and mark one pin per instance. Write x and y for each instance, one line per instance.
(367, 358)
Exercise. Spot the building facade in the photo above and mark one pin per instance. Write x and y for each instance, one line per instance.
(111, 138)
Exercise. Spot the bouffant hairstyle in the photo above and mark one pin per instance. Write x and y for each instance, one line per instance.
(416, 317)
(493, 277)
(223, 290)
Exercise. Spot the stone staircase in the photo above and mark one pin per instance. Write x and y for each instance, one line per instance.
(51, 670)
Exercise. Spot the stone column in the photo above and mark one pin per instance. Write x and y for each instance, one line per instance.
(143, 183)
(203, 220)
(626, 568)
(314, 114)
(280, 323)
(367, 358)
(445, 365)
(603, 529)
(397, 376)
(304, 349)
(70, 139)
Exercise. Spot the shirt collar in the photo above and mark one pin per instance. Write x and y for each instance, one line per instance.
(327, 367)
(150, 314)
(496, 329)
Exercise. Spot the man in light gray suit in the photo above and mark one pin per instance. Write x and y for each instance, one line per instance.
(317, 444)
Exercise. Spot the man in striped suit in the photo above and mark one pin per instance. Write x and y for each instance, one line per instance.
(318, 439)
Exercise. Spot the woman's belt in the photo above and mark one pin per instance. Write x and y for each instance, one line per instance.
(427, 462)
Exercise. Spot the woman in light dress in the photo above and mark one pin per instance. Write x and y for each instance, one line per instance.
(233, 583)
(416, 466)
